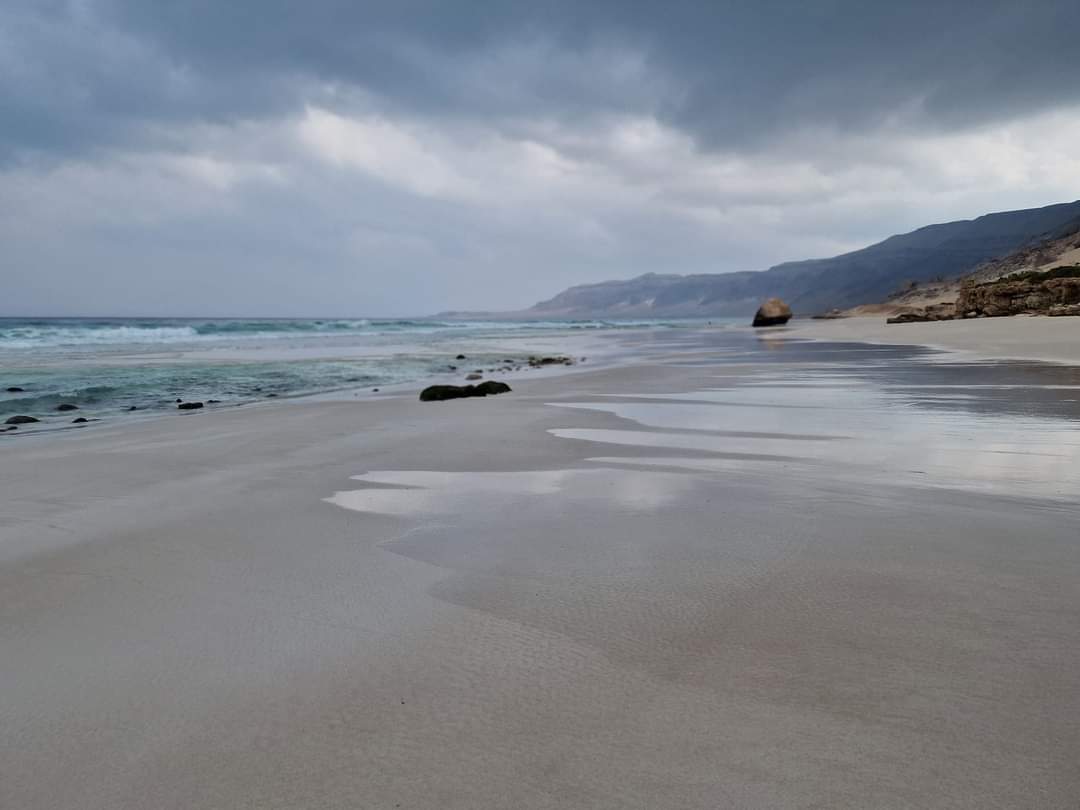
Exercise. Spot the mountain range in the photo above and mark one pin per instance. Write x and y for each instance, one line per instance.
(932, 253)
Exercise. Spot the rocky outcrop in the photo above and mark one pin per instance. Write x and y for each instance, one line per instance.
(189, 406)
(21, 420)
(1053, 292)
(436, 393)
(538, 362)
(1056, 292)
(773, 312)
(934, 312)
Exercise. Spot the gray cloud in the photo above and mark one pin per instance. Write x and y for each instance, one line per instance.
(84, 72)
(410, 156)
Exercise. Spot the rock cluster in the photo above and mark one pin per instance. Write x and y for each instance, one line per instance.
(1054, 292)
(1033, 293)
(538, 362)
(435, 393)
(773, 312)
(934, 312)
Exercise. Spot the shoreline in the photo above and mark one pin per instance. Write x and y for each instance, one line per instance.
(595, 350)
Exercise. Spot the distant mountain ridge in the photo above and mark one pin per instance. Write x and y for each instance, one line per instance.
(945, 250)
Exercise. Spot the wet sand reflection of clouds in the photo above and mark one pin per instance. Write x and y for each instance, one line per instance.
(862, 429)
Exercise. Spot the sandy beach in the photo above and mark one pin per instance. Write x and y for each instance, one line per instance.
(741, 570)
(1037, 338)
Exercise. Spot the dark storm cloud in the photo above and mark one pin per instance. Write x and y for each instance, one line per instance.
(404, 157)
(102, 71)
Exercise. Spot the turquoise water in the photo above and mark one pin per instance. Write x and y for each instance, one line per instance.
(75, 333)
(110, 367)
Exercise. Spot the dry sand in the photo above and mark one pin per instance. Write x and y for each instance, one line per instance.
(1055, 340)
(394, 604)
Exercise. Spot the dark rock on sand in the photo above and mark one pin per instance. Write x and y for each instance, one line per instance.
(492, 387)
(21, 420)
(460, 357)
(14, 389)
(67, 406)
(436, 393)
(773, 312)
(189, 406)
(537, 362)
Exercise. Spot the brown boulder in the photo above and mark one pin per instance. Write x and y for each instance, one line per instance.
(773, 312)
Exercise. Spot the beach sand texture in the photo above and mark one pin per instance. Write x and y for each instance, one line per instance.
(741, 571)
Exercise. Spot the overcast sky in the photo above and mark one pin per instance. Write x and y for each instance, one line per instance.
(272, 157)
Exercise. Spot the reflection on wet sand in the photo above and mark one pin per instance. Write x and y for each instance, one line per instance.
(848, 568)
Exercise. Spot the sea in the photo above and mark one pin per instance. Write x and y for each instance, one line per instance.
(112, 368)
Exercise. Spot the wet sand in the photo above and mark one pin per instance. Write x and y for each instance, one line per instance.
(740, 572)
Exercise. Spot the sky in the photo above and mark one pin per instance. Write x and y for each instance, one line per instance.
(344, 158)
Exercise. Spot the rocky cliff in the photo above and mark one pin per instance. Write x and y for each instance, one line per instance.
(1055, 292)
(935, 252)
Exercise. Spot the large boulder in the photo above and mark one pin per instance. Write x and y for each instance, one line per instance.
(773, 312)
(436, 393)
(20, 420)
